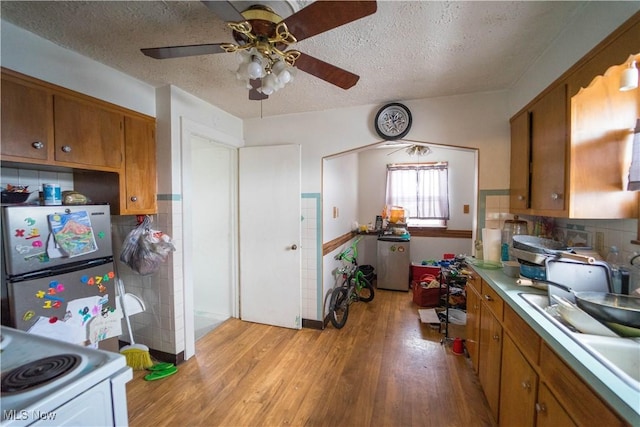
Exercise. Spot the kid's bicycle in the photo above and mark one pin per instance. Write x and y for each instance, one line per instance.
(355, 287)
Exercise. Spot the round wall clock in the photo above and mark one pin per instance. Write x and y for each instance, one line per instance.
(393, 121)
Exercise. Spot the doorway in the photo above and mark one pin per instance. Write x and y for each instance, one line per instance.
(211, 240)
(209, 218)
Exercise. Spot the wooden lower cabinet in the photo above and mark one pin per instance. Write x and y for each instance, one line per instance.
(577, 398)
(490, 358)
(473, 325)
(518, 387)
(525, 382)
(549, 412)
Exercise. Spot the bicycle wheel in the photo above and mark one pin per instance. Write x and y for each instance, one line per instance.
(366, 292)
(339, 307)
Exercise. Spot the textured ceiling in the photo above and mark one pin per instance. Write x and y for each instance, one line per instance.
(406, 50)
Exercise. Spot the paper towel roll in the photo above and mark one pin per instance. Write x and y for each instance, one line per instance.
(491, 239)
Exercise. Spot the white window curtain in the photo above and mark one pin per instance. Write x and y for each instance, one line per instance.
(422, 189)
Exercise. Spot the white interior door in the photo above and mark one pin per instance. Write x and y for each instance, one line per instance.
(269, 200)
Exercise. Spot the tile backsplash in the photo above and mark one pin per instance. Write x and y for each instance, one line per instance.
(34, 179)
(614, 232)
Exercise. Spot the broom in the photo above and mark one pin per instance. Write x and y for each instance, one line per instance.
(137, 355)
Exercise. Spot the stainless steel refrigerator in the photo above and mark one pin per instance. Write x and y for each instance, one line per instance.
(58, 271)
(394, 263)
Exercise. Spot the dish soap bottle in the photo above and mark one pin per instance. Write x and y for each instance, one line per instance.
(614, 261)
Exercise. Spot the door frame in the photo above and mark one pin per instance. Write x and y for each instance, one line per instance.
(189, 129)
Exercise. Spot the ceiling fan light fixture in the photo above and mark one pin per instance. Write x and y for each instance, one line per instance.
(254, 69)
(629, 77)
(418, 150)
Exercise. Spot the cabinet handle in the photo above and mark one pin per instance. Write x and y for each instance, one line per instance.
(496, 337)
(555, 196)
(521, 197)
(526, 385)
(66, 149)
(37, 145)
(488, 298)
(134, 199)
(541, 407)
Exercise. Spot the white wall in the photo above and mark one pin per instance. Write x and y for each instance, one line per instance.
(592, 23)
(372, 181)
(475, 121)
(29, 54)
(340, 191)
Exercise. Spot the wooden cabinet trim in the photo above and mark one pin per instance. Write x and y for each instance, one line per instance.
(629, 29)
(525, 338)
(55, 89)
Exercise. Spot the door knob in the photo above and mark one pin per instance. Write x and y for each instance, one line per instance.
(294, 247)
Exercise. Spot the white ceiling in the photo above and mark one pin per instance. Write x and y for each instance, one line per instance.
(406, 50)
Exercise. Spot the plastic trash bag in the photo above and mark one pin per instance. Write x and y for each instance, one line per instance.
(145, 249)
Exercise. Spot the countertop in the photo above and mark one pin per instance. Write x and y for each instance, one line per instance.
(621, 396)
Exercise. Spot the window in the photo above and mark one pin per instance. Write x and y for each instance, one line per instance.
(422, 189)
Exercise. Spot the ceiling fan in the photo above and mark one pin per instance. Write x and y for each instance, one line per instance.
(264, 39)
(414, 150)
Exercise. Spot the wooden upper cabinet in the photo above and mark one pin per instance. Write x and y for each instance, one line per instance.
(520, 161)
(538, 156)
(87, 134)
(140, 167)
(27, 114)
(576, 138)
(110, 150)
(548, 150)
(603, 120)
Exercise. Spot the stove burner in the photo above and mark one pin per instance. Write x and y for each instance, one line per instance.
(38, 372)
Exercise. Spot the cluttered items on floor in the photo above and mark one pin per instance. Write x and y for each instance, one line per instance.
(426, 291)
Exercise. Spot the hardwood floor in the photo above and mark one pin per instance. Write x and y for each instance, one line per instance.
(384, 368)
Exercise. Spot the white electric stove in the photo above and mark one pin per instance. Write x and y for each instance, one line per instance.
(46, 382)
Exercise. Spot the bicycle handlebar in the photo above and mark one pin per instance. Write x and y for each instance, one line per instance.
(351, 253)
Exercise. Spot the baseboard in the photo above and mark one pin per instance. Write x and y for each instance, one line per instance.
(313, 324)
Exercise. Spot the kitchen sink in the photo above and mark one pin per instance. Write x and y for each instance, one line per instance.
(620, 355)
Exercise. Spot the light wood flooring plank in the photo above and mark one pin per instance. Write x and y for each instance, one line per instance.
(384, 368)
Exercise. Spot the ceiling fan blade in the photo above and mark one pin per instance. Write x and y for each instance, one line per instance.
(321, 16)
(325, 71)
(181, 51)
(254, 93)
(224, 10)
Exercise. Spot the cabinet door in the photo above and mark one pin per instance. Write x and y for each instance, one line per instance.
(490, 358)
(87, 134)
(140, 166)
(473, 325)
(27, 120)
(520, 162)
(549, 412)
(548, 150)
(518, 387)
